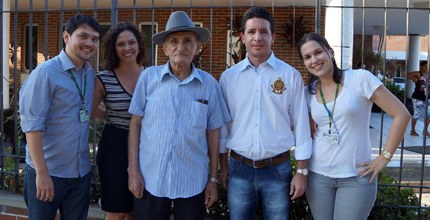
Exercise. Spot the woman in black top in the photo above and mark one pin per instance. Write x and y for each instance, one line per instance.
(419, 97)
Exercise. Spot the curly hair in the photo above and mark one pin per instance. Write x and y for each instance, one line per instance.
(110, 56)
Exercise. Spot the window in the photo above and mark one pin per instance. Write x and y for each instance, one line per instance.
(398, 70)
(151, 55)
(31, 53)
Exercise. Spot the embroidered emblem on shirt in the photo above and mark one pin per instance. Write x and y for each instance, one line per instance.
(279, 86)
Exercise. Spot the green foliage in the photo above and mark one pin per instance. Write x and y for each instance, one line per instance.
(391, 196)
(11, 183)
(395, 89)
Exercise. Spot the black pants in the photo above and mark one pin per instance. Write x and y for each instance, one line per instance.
(150, 207)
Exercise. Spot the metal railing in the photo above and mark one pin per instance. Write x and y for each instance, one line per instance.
(49, 17)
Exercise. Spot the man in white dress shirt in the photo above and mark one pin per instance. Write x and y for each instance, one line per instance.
(265, 97)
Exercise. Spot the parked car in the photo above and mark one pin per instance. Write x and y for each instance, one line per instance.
(399, 81)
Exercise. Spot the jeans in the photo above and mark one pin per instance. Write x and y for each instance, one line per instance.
(340, 198)
(153, 207)
(247, 184)
(71, 197)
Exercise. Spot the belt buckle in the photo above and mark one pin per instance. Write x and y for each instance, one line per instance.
(253, 164)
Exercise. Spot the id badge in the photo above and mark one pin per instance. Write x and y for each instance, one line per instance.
(83, 115)
(331, 138)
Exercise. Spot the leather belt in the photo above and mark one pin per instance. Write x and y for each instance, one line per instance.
(280, 158)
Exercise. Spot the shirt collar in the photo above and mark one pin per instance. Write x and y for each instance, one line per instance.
(195, 74)
(247, 63)
(67, 63)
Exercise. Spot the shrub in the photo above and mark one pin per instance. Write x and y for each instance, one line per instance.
(386, 202)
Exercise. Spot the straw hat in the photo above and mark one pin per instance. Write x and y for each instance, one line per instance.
(180, 22)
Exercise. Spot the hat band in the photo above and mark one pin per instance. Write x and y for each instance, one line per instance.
(173, 28)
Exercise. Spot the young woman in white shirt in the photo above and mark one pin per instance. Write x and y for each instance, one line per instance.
(342, 181)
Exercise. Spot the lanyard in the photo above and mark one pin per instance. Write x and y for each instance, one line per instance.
(330, 114)
(82, 95)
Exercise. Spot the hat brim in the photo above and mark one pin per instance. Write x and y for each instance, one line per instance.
(203, 34)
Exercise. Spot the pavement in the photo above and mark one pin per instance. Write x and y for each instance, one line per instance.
(411, 154)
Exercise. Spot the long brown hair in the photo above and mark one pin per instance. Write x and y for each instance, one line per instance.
(337, 72)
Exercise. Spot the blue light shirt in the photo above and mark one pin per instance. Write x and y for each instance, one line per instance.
(173, 150)
(50, 102)
(268, 110)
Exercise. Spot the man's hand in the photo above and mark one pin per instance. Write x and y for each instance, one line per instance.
(136, 183)
(298, 186)
(211, 194)
(44, 187)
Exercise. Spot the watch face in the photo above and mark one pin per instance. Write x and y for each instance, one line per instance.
(387, 155)
(305, 172)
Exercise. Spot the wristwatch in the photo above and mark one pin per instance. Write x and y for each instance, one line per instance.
(213, 179)
(303, 171)
(387, 155)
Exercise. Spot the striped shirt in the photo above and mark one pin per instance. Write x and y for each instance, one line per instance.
(116, 100)
(173, 150)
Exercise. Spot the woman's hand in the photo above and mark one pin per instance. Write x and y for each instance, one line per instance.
(375, 167)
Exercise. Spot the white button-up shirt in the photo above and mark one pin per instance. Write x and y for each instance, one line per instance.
(268, 109)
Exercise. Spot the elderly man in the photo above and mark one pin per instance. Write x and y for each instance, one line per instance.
(177, 111)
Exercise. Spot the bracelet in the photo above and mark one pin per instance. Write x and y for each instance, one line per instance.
(213, 179)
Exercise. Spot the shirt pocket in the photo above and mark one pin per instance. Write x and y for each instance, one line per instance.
(199, 115)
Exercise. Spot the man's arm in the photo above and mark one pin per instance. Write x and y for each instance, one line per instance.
(224, 133)
(44, 184)
(299, 182)
(302, 133)
(135, 180)
(211, 192)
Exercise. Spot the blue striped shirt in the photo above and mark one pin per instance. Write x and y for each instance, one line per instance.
(173, 150)
(50, 102)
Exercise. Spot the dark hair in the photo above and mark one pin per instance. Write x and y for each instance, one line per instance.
(80, 19)
(110, 56)
(337, 72)
(257, 12)
(422, 63)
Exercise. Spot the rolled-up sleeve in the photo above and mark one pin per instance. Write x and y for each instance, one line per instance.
(34, 101)
(300, 118)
